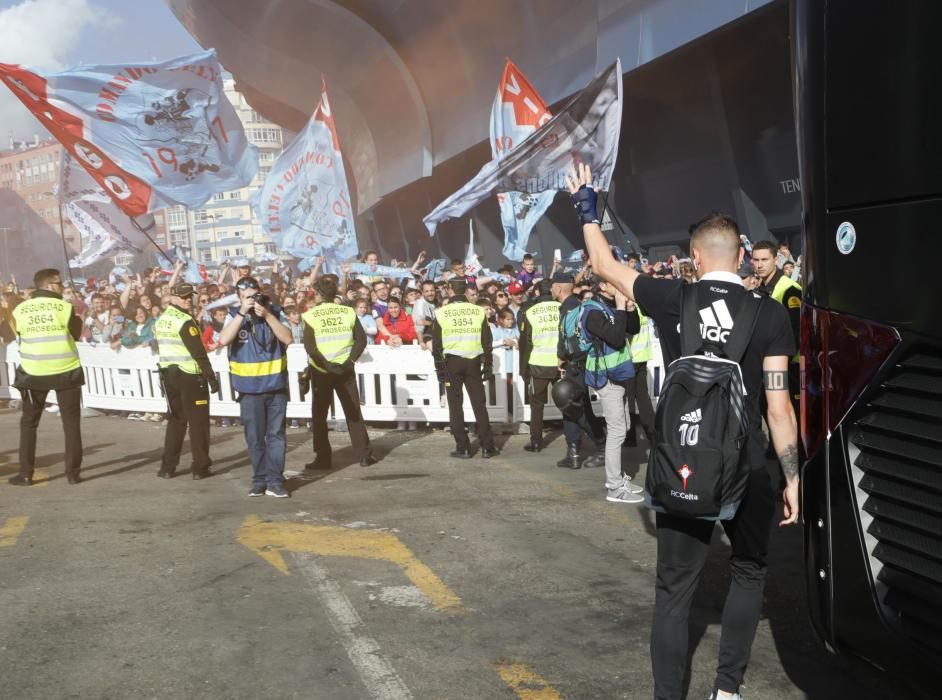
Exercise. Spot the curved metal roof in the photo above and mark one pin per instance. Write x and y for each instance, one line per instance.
(412, 81)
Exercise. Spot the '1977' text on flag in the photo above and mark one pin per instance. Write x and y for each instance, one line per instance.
(151, 135)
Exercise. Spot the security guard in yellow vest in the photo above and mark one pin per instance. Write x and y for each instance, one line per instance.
(188, 380)
(461, 346)
(786, 292)
(49, 361)
(334, 340)
(637, 395)
(539, 363)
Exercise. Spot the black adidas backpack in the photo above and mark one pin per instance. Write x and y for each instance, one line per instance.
(696, 467)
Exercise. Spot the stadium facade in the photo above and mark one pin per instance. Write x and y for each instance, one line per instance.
(707, 119)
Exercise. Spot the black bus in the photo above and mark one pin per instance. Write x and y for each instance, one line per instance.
(867, 78)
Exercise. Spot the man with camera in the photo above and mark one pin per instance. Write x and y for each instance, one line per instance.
(187, 379)
(258, 365)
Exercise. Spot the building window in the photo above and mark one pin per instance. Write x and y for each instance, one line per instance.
(201, 216)
(240, 251)
(207, 255)
(219, 196)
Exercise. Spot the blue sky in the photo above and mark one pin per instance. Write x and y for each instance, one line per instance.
(52, 35)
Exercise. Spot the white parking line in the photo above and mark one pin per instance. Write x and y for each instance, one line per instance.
(378, 675)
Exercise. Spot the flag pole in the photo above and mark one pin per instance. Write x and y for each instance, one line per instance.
(156, 245)
(65, 247)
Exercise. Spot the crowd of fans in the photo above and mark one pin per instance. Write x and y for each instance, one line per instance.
(394, 310)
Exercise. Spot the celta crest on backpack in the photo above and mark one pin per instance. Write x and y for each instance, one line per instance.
(697, 468)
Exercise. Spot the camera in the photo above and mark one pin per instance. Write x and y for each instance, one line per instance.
(261, 300)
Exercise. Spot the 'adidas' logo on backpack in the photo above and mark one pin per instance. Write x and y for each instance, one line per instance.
(701, 425)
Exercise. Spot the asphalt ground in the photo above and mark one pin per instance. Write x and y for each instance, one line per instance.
(419, 577)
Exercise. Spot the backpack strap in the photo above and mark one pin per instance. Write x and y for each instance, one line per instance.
(690, 340)
(744, 326)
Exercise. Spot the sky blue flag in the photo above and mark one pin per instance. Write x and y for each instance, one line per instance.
(518, 111)
(304, 204)
(151, 134)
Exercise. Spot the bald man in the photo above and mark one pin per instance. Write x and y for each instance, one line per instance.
(683, 543)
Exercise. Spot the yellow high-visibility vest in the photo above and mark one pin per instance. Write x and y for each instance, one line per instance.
(172, 352)
(461, 324)
(46, 346)
(543, 319)
(332, 325)
(641, 350)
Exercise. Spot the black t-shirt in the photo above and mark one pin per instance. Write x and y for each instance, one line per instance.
(720, 300)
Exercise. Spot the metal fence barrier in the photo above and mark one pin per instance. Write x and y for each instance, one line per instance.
(396, 384)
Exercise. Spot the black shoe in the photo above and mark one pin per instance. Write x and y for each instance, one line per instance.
(317, 465)
(204, 474)
(533, 446)
(74, 479)
(164, 474)
(20, 481)
(571, 460)
(368, 461)
(488, 452)
(460, 453)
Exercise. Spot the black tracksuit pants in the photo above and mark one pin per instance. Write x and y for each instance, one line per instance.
(462, 372)
(188, 398)
(682, 548)
(345, 386)
(637, 396)
(70, 410)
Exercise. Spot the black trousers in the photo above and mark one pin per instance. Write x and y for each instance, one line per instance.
(70, 410)
(588, 423)
(637, 396)
(188, 398)
(462, 372)
(345, 386)
(539, 388)
(682, 548)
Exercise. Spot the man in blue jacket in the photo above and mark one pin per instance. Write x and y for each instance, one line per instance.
(258, 342)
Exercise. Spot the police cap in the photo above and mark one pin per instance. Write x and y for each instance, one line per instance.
(183, 289)
(562, 277)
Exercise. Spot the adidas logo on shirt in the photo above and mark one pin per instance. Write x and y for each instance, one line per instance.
(716, 322)
(692, 417)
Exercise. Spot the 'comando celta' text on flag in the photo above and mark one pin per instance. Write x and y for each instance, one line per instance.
(151, 134)
(304, 204)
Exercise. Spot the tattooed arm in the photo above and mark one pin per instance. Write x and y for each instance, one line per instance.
(783, 428)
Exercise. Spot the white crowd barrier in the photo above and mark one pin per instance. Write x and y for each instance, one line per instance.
(396, 384)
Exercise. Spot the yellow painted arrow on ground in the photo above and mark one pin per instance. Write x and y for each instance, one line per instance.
(270, 539)
(11, 530)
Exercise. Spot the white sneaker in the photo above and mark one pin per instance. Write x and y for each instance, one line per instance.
(52, 409)
(623, 495)
(715, 694)
(632, 487)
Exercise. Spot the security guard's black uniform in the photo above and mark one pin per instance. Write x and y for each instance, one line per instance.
(461, 346)
(49, 361)
(334, 341)
(187, 379)
(539, 363)
(788, 293)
